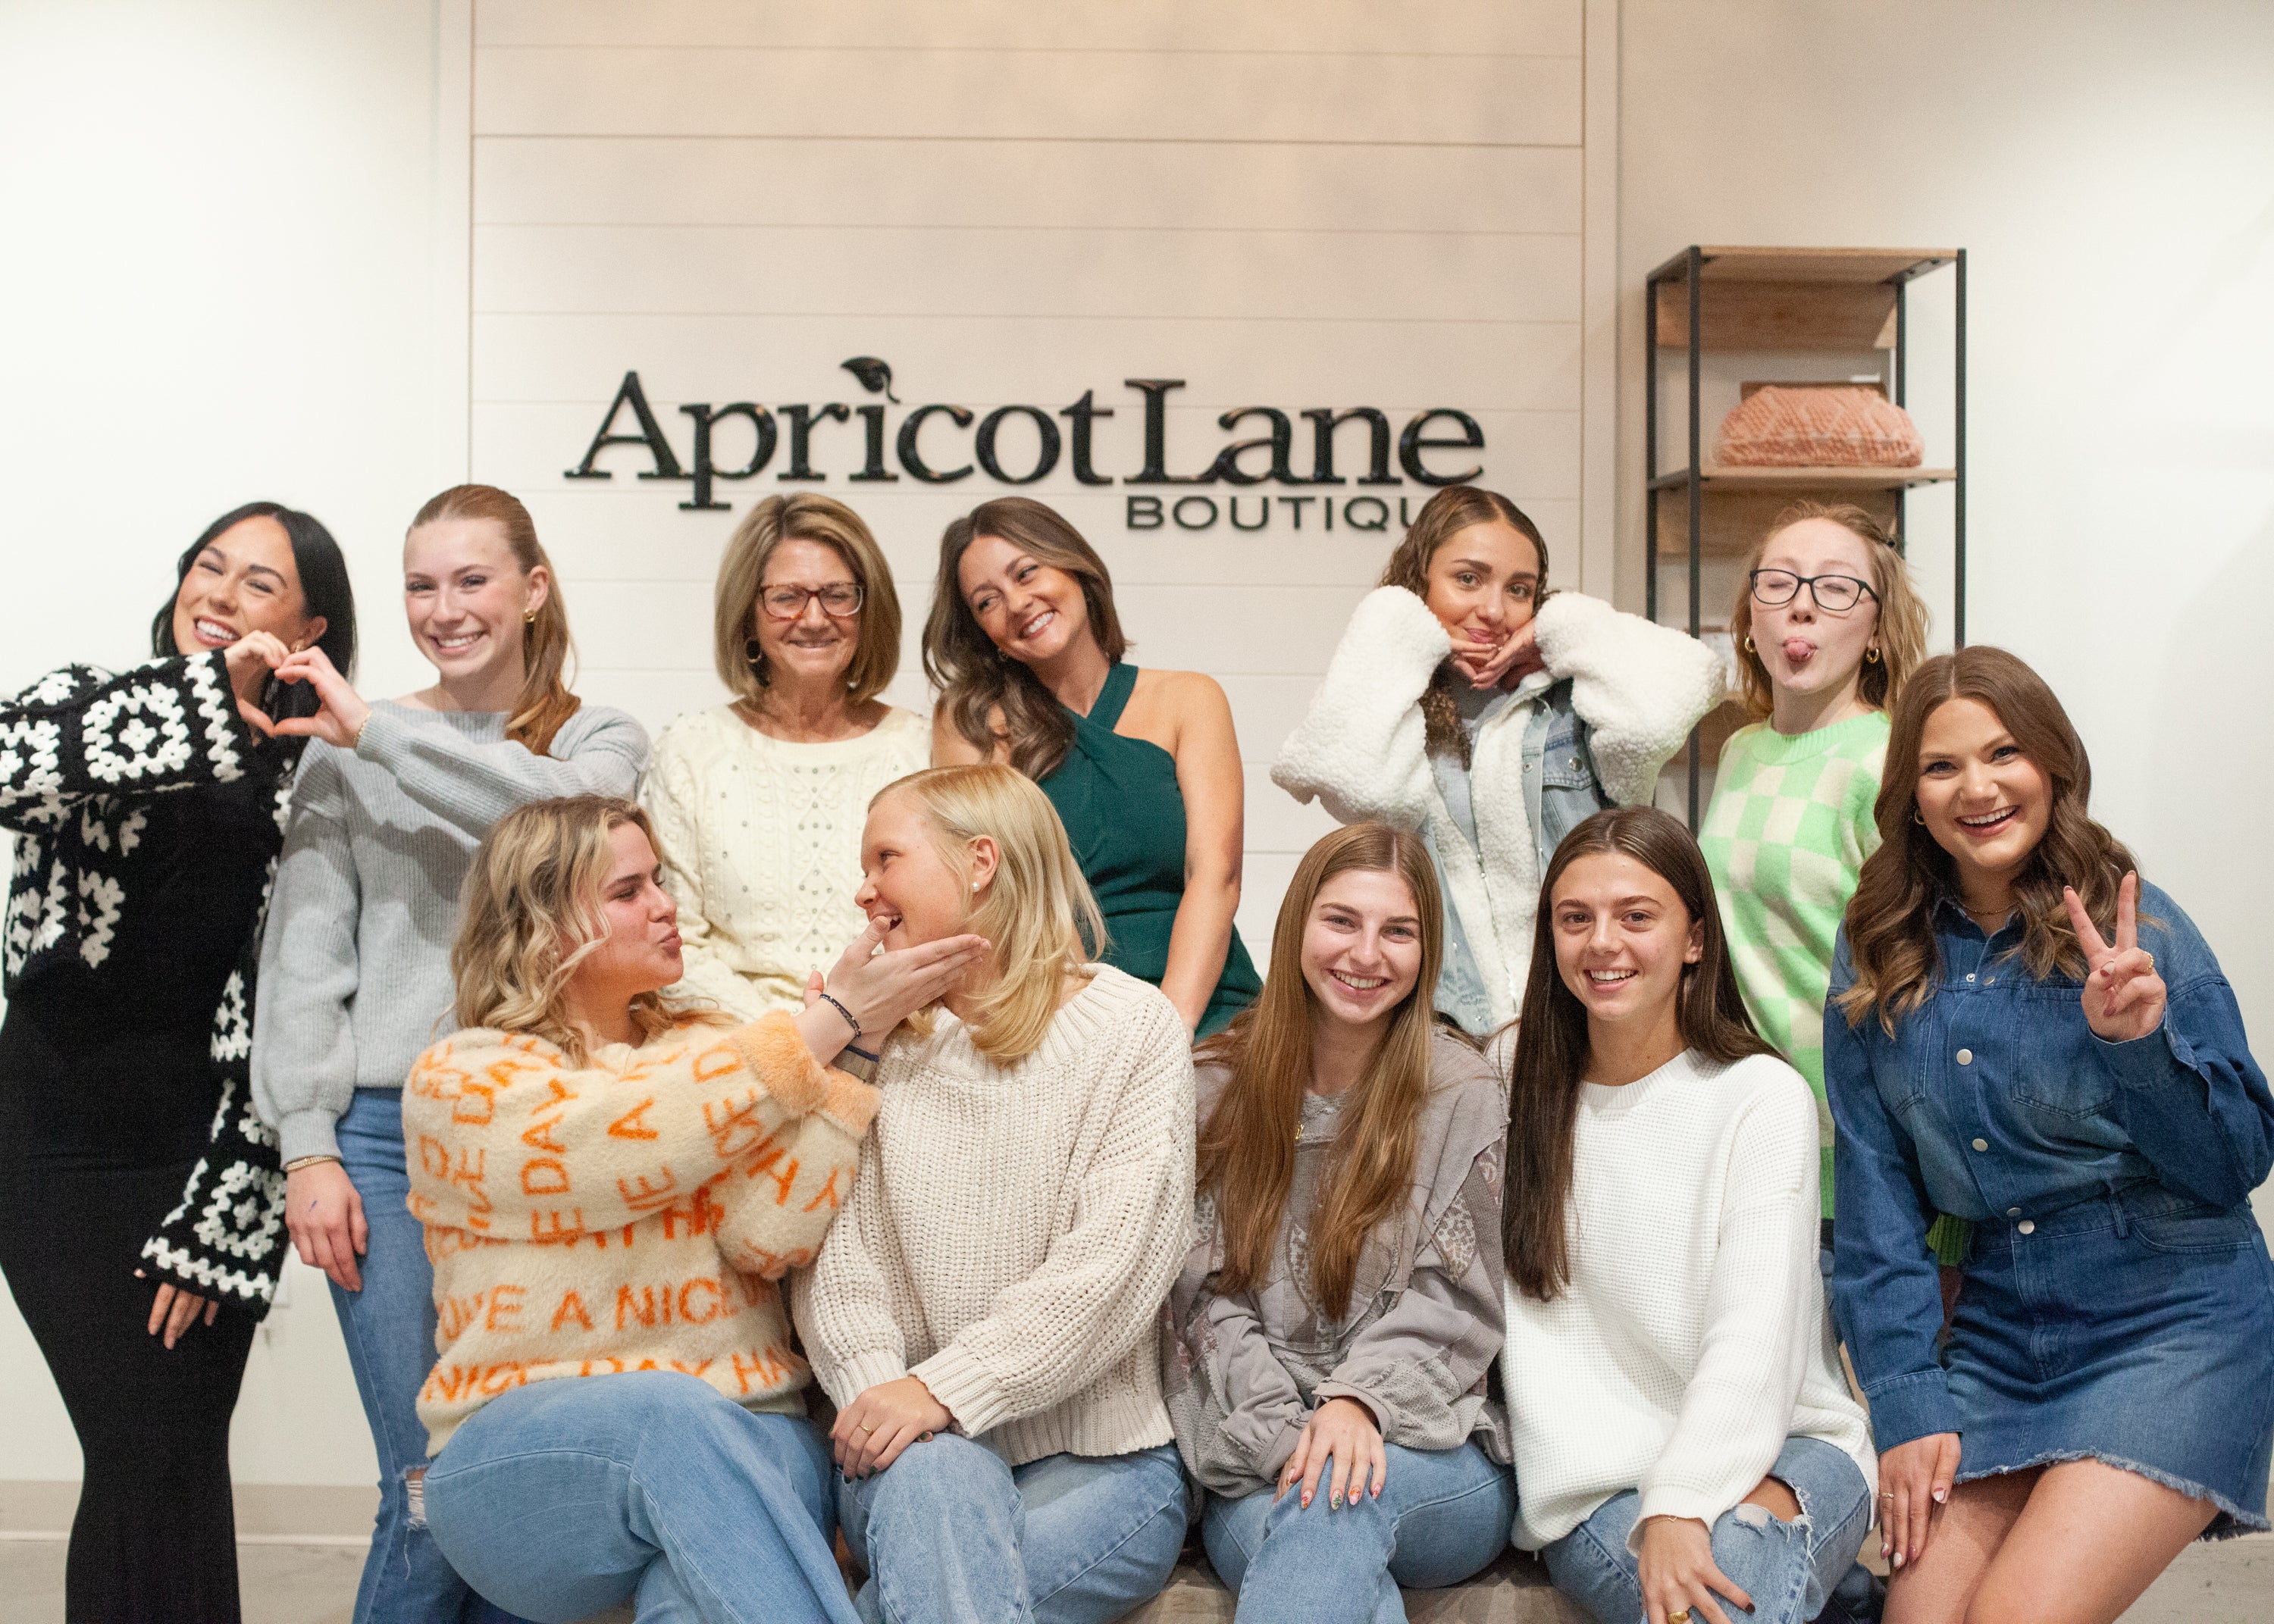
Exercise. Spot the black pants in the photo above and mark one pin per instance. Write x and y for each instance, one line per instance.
(155, 1541)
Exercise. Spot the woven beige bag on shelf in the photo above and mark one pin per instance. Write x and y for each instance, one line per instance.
(1778, 427)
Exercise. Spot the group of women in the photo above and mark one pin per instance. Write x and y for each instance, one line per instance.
(828, 1084)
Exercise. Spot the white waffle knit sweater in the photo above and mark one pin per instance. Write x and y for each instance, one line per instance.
(1691, 1340)
(1013, 1229)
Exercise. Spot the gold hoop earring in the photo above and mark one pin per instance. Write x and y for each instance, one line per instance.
(1871, 655)
(1748, 646)
(529, 617)
(1918, 818)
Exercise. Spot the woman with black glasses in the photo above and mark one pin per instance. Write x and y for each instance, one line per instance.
(760, 803)
(1827, 626)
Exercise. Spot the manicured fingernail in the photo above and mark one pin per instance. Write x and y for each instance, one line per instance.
(1335, 1501)
(1306, 1500)
(1941, 1495)
(1899, 1558)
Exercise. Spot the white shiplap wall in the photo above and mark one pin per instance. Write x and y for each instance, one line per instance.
(1328, 202)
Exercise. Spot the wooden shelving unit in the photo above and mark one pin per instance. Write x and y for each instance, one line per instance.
(1817, 302)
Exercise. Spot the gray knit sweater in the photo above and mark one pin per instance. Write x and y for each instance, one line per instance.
(355, 968)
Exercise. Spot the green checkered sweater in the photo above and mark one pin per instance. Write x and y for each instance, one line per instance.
(1785, 837)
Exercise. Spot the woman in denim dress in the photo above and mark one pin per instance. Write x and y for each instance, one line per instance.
(2038, 1042)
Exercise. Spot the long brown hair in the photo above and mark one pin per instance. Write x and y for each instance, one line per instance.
(544, 701)
(1451, 510)
(530, 912)
(1552, 1049)
(1247, 1151)
(1891, 917)
(1901, 633)
(975, 678)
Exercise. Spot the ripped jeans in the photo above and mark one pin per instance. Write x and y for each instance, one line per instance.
(389, 1329)
(1794, 1571)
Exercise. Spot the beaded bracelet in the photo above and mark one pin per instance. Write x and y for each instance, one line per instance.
(850, 1020)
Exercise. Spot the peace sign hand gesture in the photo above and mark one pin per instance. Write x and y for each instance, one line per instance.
(2123, 995)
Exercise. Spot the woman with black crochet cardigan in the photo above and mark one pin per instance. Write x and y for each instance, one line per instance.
(141, 1223)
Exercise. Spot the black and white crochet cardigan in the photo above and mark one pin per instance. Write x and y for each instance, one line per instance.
(80, 753)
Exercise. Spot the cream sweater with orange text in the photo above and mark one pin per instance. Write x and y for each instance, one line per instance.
(631, 1214)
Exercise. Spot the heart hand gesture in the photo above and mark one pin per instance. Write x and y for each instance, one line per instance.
(340, 718)
(2123, 995)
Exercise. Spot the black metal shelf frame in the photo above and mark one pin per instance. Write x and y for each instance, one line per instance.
(1688, 267)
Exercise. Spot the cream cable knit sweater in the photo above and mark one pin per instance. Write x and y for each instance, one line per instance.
(1013, 1229)
(1692, 1341)
(762, 848)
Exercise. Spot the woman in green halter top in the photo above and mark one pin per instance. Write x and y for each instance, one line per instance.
(1143, 767)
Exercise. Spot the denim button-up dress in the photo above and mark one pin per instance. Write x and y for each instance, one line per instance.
(2119, 1300)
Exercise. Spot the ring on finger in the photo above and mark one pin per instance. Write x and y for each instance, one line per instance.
(1682, 1617)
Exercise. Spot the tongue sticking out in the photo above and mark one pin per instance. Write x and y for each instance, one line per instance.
(1798, 650)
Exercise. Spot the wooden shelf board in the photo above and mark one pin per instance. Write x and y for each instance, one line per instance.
(1721, 478)
(1819, 264)
(1732, 520)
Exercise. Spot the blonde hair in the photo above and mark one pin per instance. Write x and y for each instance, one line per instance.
(544, 701)
(1902, 631)
(805, 515)
(1038, 912)
(530, 913)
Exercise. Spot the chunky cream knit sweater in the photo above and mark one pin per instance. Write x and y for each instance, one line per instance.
(1692, 1341)
(1013, 1229)
(762, 848)
(630, 1213)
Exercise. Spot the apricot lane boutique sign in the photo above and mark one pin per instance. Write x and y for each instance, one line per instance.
(940, 443)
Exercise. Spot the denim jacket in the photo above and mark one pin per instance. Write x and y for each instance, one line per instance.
(1617, 698)
(1995, 1101)
(1561, 791)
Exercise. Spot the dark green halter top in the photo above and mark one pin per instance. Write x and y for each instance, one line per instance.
(1125, 816)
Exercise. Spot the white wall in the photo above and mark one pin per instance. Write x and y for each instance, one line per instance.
(2110, 168)
(1298, 205)
(234, 269)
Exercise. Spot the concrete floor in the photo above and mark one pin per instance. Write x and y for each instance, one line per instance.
(2224, 1584)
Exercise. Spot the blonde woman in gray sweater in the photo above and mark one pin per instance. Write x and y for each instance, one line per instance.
(984, 1312)
(1330, 1336)
(391, 802)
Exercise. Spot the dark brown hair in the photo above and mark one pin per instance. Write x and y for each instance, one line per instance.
(1901, 642)
(975, 678)
(1451, 510)
(544, 701)
(1891, 917)
(1552, 1049)
(1246, 1150)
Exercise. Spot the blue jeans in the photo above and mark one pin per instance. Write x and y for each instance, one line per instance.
(1794, 1571)
(389, 1328)
(1443, 1514)
(952, 1535)
(568, 1497)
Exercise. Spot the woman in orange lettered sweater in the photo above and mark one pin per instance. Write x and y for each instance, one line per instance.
(611, 1186)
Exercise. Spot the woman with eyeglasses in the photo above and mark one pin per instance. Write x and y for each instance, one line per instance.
(760, 802)
(1828, 627)
(1467, 704)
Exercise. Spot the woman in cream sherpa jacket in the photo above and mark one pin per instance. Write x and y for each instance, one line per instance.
(985, 1311)
(1461, 706)
(610, 1189)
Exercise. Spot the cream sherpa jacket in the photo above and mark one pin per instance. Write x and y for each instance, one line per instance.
(1618, 697)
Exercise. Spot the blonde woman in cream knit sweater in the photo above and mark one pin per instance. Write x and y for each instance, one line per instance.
(611, 1189)
(1685, 1446)
(984, 1313)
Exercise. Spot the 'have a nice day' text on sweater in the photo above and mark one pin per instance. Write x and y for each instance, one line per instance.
(634, 1212)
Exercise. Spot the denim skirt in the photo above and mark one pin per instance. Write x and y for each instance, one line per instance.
(2136, 1328)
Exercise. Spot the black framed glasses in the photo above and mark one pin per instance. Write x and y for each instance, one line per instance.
(1773, 589)
(839, 600)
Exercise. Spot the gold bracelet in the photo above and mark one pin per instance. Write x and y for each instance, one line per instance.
(297, 1162)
